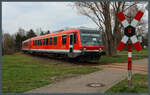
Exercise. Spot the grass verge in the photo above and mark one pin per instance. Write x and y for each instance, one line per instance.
(123, 58)
(21, 73)
(143, 51)
(118, 59)
(140, 83)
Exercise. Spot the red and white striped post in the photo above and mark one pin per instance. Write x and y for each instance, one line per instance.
(130, 35)
(129, 64)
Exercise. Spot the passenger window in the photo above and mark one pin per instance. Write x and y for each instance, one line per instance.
(55, 40)
(40, 42)
(46, 41)
(50, 41)
(64, 39)
(75, 38)
(71, 40)
(36, 42)
(33, 42)
(43, 41)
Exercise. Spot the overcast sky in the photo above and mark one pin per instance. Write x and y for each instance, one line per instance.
(45, 15)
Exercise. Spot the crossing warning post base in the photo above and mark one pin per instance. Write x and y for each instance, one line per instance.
(129, 64)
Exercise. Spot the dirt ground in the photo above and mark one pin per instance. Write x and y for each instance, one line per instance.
(138, 66)
(109, 76)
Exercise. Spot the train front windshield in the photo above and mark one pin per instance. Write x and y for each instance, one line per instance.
(90, 38)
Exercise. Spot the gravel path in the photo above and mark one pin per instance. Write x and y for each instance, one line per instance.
(108, 76)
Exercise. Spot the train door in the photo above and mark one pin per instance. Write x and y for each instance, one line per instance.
(71, 43)
(75, 42)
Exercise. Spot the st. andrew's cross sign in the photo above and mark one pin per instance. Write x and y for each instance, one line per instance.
(130, 33)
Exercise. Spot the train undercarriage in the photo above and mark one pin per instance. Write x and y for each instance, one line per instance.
(82, 56)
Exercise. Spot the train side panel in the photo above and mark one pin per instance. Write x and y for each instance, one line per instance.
(66, 42)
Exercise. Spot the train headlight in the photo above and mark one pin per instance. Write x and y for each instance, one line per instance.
(100, 49)
(83, 49)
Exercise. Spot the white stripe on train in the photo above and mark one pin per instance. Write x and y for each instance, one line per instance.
(60, 50)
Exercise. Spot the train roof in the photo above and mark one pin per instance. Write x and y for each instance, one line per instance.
(58, 33)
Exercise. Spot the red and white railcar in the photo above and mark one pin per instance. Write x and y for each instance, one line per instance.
(73, 43)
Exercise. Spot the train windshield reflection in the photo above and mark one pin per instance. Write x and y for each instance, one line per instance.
(90, 38)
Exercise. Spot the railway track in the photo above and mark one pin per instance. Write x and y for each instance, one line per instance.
(63, 59)
(137, 68)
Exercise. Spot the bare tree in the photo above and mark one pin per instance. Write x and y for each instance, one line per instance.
(8, 44)
(104, 14)
(19, 37)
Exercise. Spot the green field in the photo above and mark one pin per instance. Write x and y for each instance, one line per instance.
(140, 83)
(21, 73)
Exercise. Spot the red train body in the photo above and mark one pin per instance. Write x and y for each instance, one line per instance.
(73, 43)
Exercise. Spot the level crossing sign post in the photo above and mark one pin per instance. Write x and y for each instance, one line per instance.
(130, 38)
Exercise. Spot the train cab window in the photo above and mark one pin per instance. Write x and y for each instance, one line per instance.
(46, 41)
(64, 39)
(55, 40)
(75, 38)
(51, 41)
